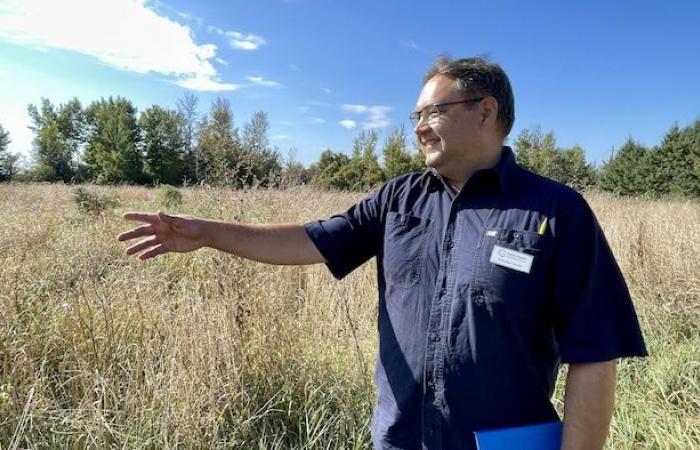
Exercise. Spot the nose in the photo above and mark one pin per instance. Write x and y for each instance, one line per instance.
(421, 127)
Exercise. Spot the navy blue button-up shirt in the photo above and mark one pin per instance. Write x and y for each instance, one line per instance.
(481, 295)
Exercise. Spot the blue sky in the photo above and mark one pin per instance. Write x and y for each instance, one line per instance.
(593, 72)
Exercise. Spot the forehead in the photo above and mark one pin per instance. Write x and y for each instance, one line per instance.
(438, 89)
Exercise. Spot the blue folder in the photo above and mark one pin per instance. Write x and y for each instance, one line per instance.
(546, 436)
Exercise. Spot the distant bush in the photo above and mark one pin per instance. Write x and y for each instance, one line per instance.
(169, 196)
(93, 203)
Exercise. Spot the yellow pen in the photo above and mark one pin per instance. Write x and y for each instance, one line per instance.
(543, 227)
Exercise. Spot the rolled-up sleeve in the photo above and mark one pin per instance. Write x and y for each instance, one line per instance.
(594, 318)
(349, 239)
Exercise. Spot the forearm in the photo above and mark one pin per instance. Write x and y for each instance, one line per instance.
(272, 244)
(588, 405)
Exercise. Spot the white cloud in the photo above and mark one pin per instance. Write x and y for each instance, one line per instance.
(327, 91)
(376, 116)
(190, 18)
(347, 123)
(410, 44)
(318, 120)
(303, 109)
(126, 34)
(241, 41)
(206, 84)
(217, 30)
(279, 137)
(260, 81)
(221, 61)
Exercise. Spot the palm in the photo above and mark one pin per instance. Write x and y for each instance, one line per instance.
(163, 234)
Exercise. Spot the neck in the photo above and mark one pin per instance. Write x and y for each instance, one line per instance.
(457, 182)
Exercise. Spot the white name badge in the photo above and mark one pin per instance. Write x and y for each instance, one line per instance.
(512, 259)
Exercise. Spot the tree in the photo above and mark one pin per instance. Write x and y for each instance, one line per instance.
(627, 172)
(293, 172)
(112, 151)
(163, 145)
(537, 152)
(328, 169)
(363, 172)
(187, 109)
(218, 145)
(258, 162)
(8, 161)
(397, 159)
(58, 138)
(540, 154)
(676, 162)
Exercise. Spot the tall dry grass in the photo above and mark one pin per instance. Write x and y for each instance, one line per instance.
(210, 351)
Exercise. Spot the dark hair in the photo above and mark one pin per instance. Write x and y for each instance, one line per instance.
(479, 76)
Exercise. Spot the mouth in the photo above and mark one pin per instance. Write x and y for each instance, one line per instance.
(430, 142)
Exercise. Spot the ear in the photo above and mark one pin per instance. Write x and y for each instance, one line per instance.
(489, 112)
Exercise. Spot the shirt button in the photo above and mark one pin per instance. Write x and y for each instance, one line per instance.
(435, 337)
(443, 291)
(430, 385)
(517, 235)
(450, 245)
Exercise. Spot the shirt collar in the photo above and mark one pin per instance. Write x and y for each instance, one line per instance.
(502, 173)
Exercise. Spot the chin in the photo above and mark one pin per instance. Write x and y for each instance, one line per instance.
(433, 160)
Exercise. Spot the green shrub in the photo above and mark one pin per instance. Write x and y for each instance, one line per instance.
(92, 202)
(169, 196)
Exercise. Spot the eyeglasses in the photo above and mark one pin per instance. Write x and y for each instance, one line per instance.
(431, 113)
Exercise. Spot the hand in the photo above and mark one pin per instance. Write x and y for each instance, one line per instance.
(164, 233)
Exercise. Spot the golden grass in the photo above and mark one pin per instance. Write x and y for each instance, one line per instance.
(210, 351)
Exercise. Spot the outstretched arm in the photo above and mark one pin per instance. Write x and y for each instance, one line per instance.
(273, 244)
(588, 405)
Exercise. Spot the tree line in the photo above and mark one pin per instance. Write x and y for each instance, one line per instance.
(109, 141)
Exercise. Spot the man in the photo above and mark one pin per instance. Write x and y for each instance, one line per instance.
(488, 276)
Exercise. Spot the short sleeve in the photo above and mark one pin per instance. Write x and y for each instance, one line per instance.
(349, 239)
(594, 318)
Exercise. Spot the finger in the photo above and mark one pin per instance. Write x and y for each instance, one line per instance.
(155, 251)
(151, 218)
(143, 230)
(143, 245)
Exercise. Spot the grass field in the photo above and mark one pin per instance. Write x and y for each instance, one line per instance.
(206, 350)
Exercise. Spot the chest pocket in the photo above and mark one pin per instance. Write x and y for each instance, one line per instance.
(405, 239)
(507, 284)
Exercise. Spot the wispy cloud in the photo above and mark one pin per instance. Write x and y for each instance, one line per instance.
(280, 137)
(347, 123)
(206, 84)
(190, 18)
(376, 116)
(242, 41)
(327, 91)
(239, 40)
(318, 120)
(221, 61)
(260, 81)
(408, 43)
(126, 34)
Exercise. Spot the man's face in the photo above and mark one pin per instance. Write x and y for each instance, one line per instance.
(449, 142)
